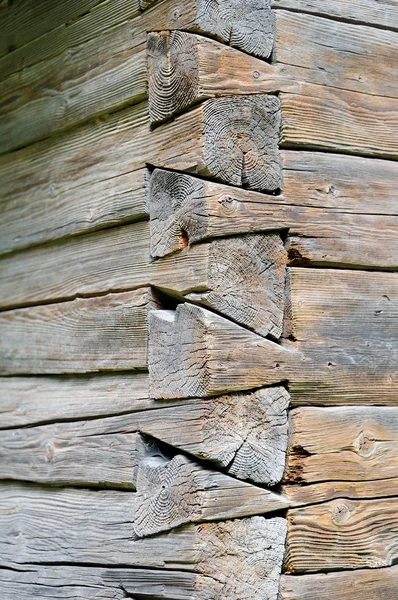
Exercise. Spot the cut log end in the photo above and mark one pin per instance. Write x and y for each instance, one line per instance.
(245, 24)
(242, 139)
(172, 73)
(178, 211)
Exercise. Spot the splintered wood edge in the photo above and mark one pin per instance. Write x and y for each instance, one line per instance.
(174, 490)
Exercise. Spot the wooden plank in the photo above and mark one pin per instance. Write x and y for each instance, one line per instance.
(338, 210)
(315, 493)
(22, 22)
(190, 349)
(95, 334)
(342, 444)
(371, 12)
(246, 434)
(35, 400)
(367, 584)
(243, 278)
(106, 159)
(325, 118)
(83, 82)
(342, 534)
(95, 527)
(171, 489)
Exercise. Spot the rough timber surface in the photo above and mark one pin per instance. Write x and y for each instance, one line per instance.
(338, 210)
(342, 534)
(246, 434)
(355, 443)
(234, 140)
(105, 333)
(92, 527)
(213, 355)
(381, 13)
(367, 584)
(240, 277)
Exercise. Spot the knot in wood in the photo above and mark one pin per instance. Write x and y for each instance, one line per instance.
(342, 513)
(365, 444)
(49, 451)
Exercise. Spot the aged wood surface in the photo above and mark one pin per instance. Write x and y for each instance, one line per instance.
(381, 13)
(342, 534)
(234, 140)
(193, 352)
(240, 277)
(103, 68)
(244, 433)
(338, 210)
(331, 490)
(93, 334)
(342, 444)
(95, 527)
(367, 584)
(34, 400)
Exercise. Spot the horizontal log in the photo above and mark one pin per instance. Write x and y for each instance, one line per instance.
(372, 12)
(174, 490)
(342, 444)
(105, 160)
(34, 400)
(367, 584)
(329, 222)
(243, 278)
(95, 527)
(246, 434)
(190, 349)
(314, 493)
(95, 334)
(60, 91)
(333, 96)
(342, 534)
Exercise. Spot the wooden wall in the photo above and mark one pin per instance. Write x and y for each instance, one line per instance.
(199, 299)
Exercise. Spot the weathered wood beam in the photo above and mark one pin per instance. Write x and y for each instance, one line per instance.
(342, 534)
(194, 352)
(320, 109)
(367, 584)
(370, 12)
(94, 334)
(243, 278)
(34, 400)
(338, 210)
(101, 523)
(342, 444)
(45, 96)
(234, 140)
(246, 434)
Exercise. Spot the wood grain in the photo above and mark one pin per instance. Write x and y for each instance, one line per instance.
(95, 334)
(342, 534)
(338, 210)
(101, 523)
(246, 434)
(242, 278)
(194, 352)
(342, 444)
(234, 140)
(371, 12)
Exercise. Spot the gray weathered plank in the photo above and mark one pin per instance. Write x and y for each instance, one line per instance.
(246, 434)
(342, 444)
(234, 140)
(381, 13)
(342, 534)
(190, 349)
(337, 210)
(366, 584)
(240, 277)
(93, 334)
(80, 526)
